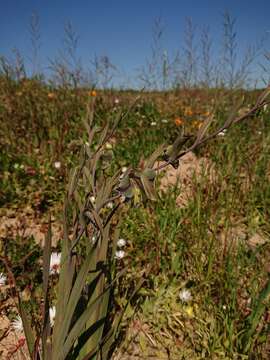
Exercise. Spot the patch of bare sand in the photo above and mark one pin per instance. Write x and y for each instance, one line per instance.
(24, 223)
(189, 167)
(239, 233)
(139, 344)
(12, 343)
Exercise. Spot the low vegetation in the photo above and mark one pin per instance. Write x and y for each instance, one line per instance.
(182, 279)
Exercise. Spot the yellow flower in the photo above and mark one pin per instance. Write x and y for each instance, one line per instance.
(108, 146)
(178, 121)
(189, 310)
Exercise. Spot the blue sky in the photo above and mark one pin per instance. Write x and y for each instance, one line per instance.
(122, 29)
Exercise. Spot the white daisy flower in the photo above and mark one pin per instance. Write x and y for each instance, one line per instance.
(55, 263)
(153, 123)
(93, 240)
(164, 121)
(119, 254)
(57, 165)
(222, 133)
(3, 279)
(52, 313)
(121, 243)
(122, 198)
(92, 199)
(110, 205)
(124, 169)
(116, 101)
(185, 295)
(17, 324)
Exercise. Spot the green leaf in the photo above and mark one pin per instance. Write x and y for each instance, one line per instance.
(148, 186)
(150, 174)
(46, 328)
(67, 269)
(28, 330)
(79, 325)
(112, 335)
(149, 163)
(96, 327)
(124, 184)
(172, 152)
(76, 292)
(72, 181)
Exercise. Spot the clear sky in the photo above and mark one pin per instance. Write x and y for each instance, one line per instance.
(122, 29)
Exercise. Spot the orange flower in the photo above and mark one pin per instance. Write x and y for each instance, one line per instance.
(93, 93)
(197, 123)
(51, 95)
(178, 121)
(188, 111)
